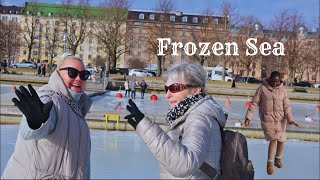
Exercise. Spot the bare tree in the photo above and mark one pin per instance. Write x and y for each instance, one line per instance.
(32, 28)
(208, 32)
(247, 29)
(52, 41)
(111, 31)
(136, 63)
(161, 28)
(75, 19)
(9, 40)
(228, 14)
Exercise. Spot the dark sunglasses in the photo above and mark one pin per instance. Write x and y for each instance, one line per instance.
(174, 88)
(73, 73)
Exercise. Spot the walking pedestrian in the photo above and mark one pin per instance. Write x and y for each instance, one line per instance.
(143, 86)
(275, 112)
(132, 86)
(54, 138)
(43, 70)
(194, 120)
(233, 85)
(126, 88)
(39, 69)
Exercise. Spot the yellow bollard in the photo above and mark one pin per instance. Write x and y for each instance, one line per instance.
(114, 116)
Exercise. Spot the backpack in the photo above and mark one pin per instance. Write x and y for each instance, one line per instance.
(234, 160)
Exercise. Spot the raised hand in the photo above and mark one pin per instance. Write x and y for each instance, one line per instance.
(135, 115)
(31, 106)
(293, 123)
(247, 122)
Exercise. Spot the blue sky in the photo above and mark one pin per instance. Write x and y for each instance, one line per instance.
(262, 9)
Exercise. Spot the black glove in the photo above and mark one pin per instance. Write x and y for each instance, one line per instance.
(31, 106)
(135, 113)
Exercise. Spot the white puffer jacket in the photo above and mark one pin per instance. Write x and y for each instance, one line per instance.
(192, 139)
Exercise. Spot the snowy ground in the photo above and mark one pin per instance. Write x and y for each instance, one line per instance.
(122, 155)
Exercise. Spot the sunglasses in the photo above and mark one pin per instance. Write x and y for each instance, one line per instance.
(73, 73)
(174, 88)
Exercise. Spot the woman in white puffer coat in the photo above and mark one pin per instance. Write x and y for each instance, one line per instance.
(194, 125)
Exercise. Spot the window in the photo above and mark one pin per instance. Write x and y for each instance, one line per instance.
(131, 37)
(216, 20)
(89, 56)
(4, 18)
(139, 53)
(132, 30)
(161, 17)
(184, 19)
(131, 53)
(24, 52)
(35, 53)
(81, 48)
(172, 18)
(139, 45)
(140, 30)
(140, 38)
(205, 20)
(184, 33)
(14, 19)
(195, 19)
(151, 17)
(90, 48)
(131, 45)
(141, 16)
(90, 40)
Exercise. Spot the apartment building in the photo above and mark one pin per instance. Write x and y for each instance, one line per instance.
(10, 20)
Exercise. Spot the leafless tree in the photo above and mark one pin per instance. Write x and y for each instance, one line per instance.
(136, 63)
(208, 32)
(32, 28)
(161, 28)
(52, 40)
(228, 14)
(111, 31)
(9, 40)
(247, 29)
(75, 18)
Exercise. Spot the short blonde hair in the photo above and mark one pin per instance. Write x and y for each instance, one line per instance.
(66, 56)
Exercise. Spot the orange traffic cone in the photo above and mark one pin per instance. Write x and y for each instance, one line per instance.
(228, 101)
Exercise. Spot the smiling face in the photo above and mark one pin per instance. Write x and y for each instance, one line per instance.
(75, 84)
(174, 98)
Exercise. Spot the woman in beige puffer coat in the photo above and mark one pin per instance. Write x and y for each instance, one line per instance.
(275, 112)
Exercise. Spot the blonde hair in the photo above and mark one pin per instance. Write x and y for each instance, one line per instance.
(67, 56)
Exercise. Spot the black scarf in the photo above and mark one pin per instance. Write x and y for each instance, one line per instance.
(182, 107)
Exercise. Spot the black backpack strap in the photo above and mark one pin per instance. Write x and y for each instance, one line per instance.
(210, 171)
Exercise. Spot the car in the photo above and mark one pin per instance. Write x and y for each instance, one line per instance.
(139, 72)
(154, 74)
(92, 69)
(240, 79)
(317, 85)
(25, 64)
(301, 84)
(116, 71)
(253, 80)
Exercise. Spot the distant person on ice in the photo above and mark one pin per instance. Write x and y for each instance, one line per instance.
(275, 112)
(54, 139)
